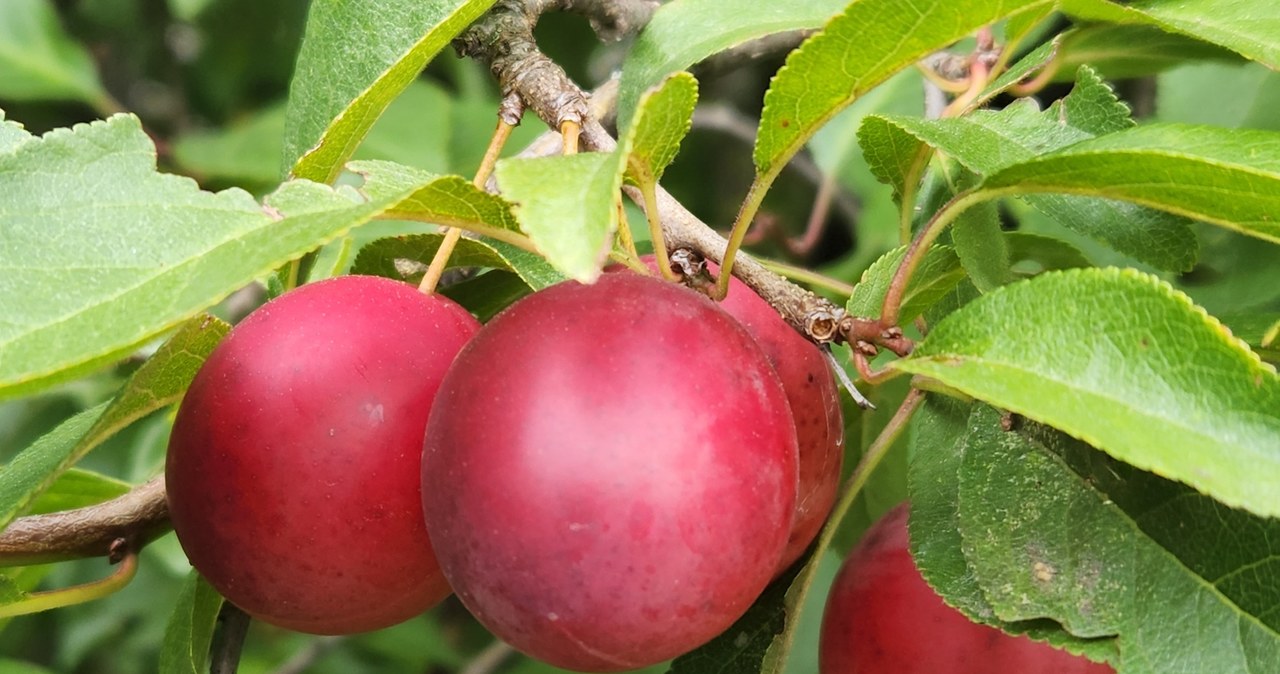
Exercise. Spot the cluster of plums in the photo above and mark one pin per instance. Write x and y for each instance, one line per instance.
(608, 479)
(606, 475)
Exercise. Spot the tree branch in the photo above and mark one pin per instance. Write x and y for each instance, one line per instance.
(138, 517)
(503, 40)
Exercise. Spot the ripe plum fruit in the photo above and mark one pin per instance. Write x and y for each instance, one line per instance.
(883, 618)
(814, 402)
(609, 473)
(294, 464)
(815, 406)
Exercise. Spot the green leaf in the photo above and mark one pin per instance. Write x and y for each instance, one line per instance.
(890, 151)
(1229, 177)
(445, 200)
(159, 382)
(1054, 529)
(663, 117)
(100, 253)
(40, 61)
(937, 275)
(414, 130)
(684, 32)
(10, 666)
(990, 141)
(407, 257)
(1129, 355)
(568, 207)
(189, 634)
(1031, 63)
(1120, 51)
(938, 430)
(487, 294)
(1250, 28)
(355, 58)
(77, 488)
(455, 202)
(31, 471)
(981, 247)
(1245, 95)
(939, 439)
(11, 134)
(245, 152)
(1043, 253)
(864, 46)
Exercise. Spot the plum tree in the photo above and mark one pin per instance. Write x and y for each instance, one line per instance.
(881, 612)
(293, 467)
(609, 473)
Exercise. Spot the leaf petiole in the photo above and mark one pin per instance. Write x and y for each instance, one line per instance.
(919, 246)
(746, 214)
(77, 594)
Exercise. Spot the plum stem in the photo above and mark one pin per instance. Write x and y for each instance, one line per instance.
(441, 259)
(570, 130)
(230, 640)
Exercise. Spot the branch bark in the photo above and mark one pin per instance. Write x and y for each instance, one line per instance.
(503, 40)
(138, 517)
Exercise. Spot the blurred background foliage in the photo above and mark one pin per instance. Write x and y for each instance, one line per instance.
(208, 78)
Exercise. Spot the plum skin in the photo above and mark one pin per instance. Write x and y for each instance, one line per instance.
(293, 466)
(609, 473)
(815, 407)
(883, 618)
(814, 401)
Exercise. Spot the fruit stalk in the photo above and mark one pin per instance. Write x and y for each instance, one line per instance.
(441, 258)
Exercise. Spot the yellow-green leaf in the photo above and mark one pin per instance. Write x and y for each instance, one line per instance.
(568, 207)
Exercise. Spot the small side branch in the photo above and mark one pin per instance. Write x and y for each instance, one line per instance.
(129, 521)
(503, 40)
